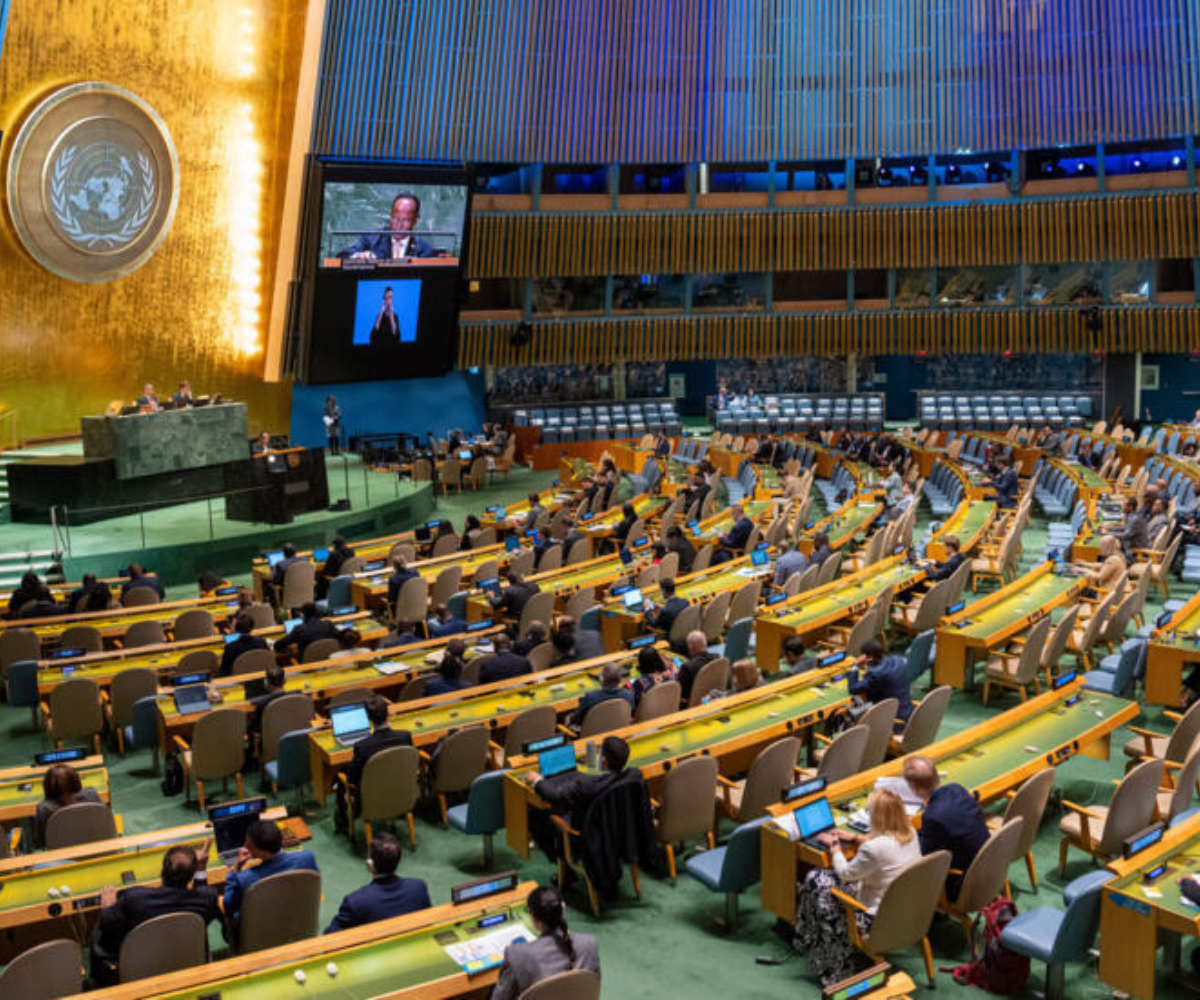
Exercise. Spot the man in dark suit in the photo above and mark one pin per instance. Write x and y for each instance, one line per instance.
(794, 661)
(504, 664)
(381, 737)
(945, 569)
(404, 634)
(886, 677)
(663, 618)
(1006, 484)
(586, 643)
(274, 680)
(737, 536)
(184, 889)
(951, 819)
(148, 400)
(246, 640)
(339, 552)
(572, 793)
(183, 398)
(400, 242)
(289, 559)
(386, 895)
(401, 574)
(313, 627)
(624, 526)
(138, 577)
(698, 656)
(444, 623)
(821, 550)
(610, 687)
(513, 598)
(1134, 533)
(264, 844)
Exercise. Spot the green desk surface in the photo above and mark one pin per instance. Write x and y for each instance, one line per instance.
(718, 726)
(643, 505)
(595, 574)
(369, 970)
(1040, 592)
(1180, 632)
(846, 596)
(993, 756)
(848, 522)
(730, 576)
(1184, 861)
(862, 472)
(120, 621)
(1085, 475)
(722, 522)
(11, 796)
(88, 877)
(966, 522)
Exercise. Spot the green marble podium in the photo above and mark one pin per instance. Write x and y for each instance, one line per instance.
(148, 444)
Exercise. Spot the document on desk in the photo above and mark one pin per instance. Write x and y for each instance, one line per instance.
(487, 950)
(389, 667)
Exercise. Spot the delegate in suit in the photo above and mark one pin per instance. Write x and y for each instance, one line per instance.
(386, 895)
(400, 241)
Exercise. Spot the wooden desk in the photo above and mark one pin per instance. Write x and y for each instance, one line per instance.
(709, 531)
(401, 959)
(1173, 650)
(103, 667)
(29, 915)
(989, 623)
(970, 523)
(809, 614)
(321, 680)
(1132, 923)
(618, 624)
(853, 518)
(18, 804)
(492, 705)
(511, 516)
(113, 623)
(732, 730)
(369, 589)
(989, 758)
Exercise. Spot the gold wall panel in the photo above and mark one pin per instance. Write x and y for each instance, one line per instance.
(222, 74)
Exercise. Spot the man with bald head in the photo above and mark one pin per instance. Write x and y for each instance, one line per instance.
(401, 239)
(951, 819)
(698, 656)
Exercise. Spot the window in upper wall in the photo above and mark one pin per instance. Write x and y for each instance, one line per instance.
(724, 177)
(653, 178)
(810, 286)
(912, 288)
(557, 296)
(1130, 281)
(1175, 275)
(712, 292)
(485, 294)
(972, 287)
(648, 293)
(1062, 284)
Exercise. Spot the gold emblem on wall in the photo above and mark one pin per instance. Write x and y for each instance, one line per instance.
(93, 182)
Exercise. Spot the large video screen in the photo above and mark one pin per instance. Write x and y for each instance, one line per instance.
(384, 284)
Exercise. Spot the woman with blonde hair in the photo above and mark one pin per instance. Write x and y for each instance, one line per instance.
(889, 848)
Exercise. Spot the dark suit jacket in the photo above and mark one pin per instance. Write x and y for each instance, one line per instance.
(381, 898)
(664, 617)
(686, 552)
(687, 673)
(451, 626)
(819, 556)
(514, 597)
(306, 632)
(138, 904)
(952, 821)
(240, 645)
(945, 570)
(739, 534)
(368, 746)
(1006, 485)
(149, 580)
(333, 564)
(281, 568)
(437, 684)
(887, 680)
(380, 245)
(503, 666)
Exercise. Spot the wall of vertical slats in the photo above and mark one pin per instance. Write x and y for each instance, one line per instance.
(1169, 329)
(642, 81)
(1109, 227)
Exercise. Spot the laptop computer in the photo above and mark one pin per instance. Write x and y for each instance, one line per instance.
(275, 558)
(350, 723)
(230, 821)
(626, 556)
(759, 557)
(290, 624)
(512, 543)
(320, 555)
(633, 600)
(559, 760)
(813, 819)
(192, 698)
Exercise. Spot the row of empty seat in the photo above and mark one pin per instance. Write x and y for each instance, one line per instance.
(997, 411)
(943, 490)
(787, 413)
(600, 421)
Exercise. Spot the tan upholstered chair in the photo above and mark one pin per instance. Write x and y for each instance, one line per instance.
(985, 878)
(280, 909)
(389, 789)
(1017, 670)
(923, 725)
(163, 944)
(713, 676)
(685, 809)
(195, 623)
(1100, 831)
(535, 723)
(905, 912)
(606, 717)
(461, 758)
(53, 969)
(253, 661)
(662, 699)
(198, 661)
(143, 633)
(217, 751)
(292, 711)
(772, 771)
(123, 693)
(577, 984)
(843, 757)
(1175, 745)
(74, 712)
(320, 649)
(1029, 803)
(82, 637)
(81, 823)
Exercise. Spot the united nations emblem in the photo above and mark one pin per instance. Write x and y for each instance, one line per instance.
(93, 182)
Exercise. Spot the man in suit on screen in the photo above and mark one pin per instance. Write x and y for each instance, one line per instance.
(401, 242)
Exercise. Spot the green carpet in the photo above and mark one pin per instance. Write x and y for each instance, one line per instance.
(668, 940)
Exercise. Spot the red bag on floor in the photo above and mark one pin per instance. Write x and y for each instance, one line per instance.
(997, 970)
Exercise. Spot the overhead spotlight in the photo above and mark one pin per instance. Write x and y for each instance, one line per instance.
(884, 176)
(1084, 169)
(994, 172)
(918, 174)
(1176, 162)
(1139, 165)
(953, 174)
